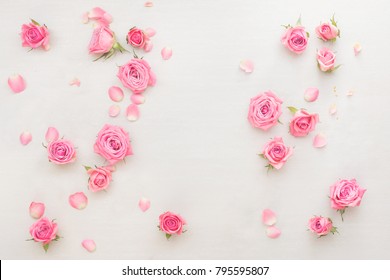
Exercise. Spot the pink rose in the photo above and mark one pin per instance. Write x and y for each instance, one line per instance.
(136, 75)
(295, 39)
(326, 59)
(276, 152)
(37, 209)
(321, 226)
(34, 36)
(102, 40)
(113, 143)
(44, 231)
(139, 39)
(303, 123)
(99, 178)
(346, 193)
(327, 31)
(171, 223)
(265, 110)
(61, 151)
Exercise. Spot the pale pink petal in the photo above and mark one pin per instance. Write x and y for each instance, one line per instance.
(273, 232)
(137, 99)
(36, 209)
(269, 217)
(16, 83)
(75, 82)
(333, 109)
(85, 18)
(25, 138)
(132, 112)
(357, 48)
(311, 94)
(319, 141)
(115, 94)
(148, 46)
(166, 53)
(144, 204)
(247, 66)
(78, 200)
(89, 245)
(350, 92)
(148, 4)
(111, 168)
(52, 134)
(150, 32)
(114, 111)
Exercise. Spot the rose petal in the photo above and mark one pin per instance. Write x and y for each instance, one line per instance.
(25, 138)
(269, 217)
(101, 15)
(166, 53)
(319, 141)
(114, 111)
(75, 82)
(148, 46)
(357, 48)
(144, 204)
(350, 92)
(311, 94)
(137, 99)
(150, 32)
(332, 109)
(115, 94)
(85, 18)
(132, 112)
(16, 83)
(246, 66)
(111, 168)
(36, 209)
(148, 4)
(78, 200)
(273, 232)
(52, 134)
(89, 245)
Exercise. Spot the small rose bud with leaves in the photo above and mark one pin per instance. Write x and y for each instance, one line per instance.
(321, 226)
(328, 31)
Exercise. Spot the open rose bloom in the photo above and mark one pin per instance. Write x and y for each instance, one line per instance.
(61, 151)
(345, 193)
(113, 143)
(44, 231)
(35, 35)
(303, 123)
(138, 38)
(321, 226)
(328, 31)
(265, 110)
(99, 178)
(171, 223)
(295, 39)
(276, 152)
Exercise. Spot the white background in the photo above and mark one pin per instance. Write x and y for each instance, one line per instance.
(194, 151)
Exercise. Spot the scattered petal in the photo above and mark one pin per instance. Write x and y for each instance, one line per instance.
(52, 134)
(75, 82)
(144, 204)
(148, 4)
(132, 112)
(85, 18)
(150, 32)
(36, 209)
(357, 48)
(89, 245)
(269, 217)
(16, 83)
(332, 109)
(148, 46)
(166, 53)
(350, 92)
(114, 111)
(111, 168)
(78, 200)
(319, 141)
(137, 99)
(25, 138)
(115, 94)
(311, 94)
(273, 232)
(246, 66)
(100, 15)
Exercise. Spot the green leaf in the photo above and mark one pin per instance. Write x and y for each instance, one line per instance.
(261, 155)
(134, 54)
(279, 121)
(269, 167)
(35, 22)
(338, 34)
(118, 47)
(307, 34)
(31, 239)
(299, 22)
(46, 247)
(87, 167)
(333, 21)
(167, 235)
(286, 26)
(342, 211)
(334, 230)
(292, 109)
